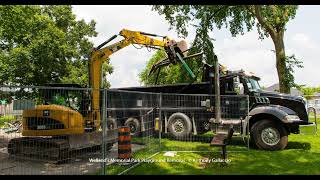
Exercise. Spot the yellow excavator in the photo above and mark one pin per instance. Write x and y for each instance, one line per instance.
(53, 130)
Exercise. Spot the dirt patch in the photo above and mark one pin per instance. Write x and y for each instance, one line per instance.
(76, 166)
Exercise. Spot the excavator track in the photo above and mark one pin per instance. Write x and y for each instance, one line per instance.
(55, 150)
(36, 148)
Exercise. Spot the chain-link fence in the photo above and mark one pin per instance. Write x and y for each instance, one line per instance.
(62, 130)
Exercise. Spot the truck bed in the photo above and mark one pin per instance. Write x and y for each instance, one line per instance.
(182, 88)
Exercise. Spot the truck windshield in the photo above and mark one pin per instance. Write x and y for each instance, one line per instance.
(253, 84)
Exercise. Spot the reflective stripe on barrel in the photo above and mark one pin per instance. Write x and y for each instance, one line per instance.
(124, 143)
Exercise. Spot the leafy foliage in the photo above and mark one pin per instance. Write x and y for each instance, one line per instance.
(270, 20)
(44, 44)
(149, 80)
(171, 74)
(309, 91)
(291, 62)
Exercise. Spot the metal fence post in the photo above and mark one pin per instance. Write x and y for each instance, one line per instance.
(248, 123)
(160, 120)
(104, 133)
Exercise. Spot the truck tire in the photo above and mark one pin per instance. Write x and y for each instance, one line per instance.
(108, 146)
(179, 125)
(134, 125)
(268, 135)
(111, 123)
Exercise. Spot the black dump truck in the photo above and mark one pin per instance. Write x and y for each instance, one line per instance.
(269, 117)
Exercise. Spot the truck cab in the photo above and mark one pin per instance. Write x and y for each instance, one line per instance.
(272, 115)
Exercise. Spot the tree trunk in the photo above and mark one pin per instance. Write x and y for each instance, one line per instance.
(281, 62)
(277, 37)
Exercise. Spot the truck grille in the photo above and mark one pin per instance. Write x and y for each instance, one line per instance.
(43, 124)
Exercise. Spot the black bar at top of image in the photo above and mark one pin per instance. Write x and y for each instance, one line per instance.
(158, 2)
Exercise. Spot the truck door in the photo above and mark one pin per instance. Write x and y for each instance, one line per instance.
(233, 102)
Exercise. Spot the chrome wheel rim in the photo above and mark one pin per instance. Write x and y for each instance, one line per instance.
(178, 126)
(111, 126)
(270, 136)
(133, 128)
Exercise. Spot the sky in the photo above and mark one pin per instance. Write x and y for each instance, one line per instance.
(241, 52)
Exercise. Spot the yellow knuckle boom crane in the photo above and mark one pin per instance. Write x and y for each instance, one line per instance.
(61, 129)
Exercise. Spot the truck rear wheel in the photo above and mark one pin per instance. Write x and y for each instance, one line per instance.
(111, 123)
(134, 125)
(179, 125)
(269, 136)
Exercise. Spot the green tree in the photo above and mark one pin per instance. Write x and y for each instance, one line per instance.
(270, 20)
(309, 91)
(78, 73)
(44, 44)
(171, 74)
(164, 77)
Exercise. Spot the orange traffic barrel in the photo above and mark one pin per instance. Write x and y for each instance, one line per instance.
(124, 143)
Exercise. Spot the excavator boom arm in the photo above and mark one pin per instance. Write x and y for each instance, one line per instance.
(100, 55)
(130, 37)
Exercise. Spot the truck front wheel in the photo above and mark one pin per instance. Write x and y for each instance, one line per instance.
(269, 135)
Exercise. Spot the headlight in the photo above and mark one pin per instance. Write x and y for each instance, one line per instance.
(292, 118)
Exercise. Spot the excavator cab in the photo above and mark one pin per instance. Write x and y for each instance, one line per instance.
(68, 95)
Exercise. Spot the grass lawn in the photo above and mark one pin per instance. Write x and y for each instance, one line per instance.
(302, 156)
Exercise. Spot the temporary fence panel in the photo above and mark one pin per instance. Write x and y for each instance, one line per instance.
(60, 130)
(191, 118)
(50, 134)
(139, 111)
